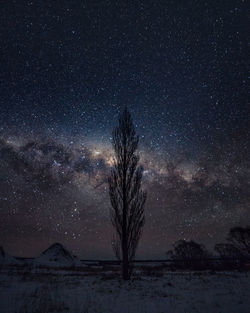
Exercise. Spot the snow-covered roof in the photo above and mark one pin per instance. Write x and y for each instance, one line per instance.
(6, 259)
(57, 255)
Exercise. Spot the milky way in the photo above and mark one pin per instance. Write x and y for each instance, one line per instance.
(69, 68)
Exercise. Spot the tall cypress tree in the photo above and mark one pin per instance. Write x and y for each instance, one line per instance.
(126, 196)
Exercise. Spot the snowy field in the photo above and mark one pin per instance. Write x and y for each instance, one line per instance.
(30, 289)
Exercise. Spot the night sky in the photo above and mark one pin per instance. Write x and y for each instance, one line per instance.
(68, 68)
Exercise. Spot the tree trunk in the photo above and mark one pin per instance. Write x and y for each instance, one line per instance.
(125, 263)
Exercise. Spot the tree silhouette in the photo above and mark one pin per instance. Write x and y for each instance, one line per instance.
(126, 196)
(228, 251)
(231, 256)
(189, 254)
(240, 238)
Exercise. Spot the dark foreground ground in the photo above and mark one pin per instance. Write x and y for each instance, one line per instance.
(98, 289)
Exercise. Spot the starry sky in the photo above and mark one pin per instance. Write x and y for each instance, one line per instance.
(68, 68)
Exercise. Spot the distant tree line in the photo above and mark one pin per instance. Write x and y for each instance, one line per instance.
(234, 254)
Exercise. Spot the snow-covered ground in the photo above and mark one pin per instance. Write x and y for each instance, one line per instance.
(29, 289)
